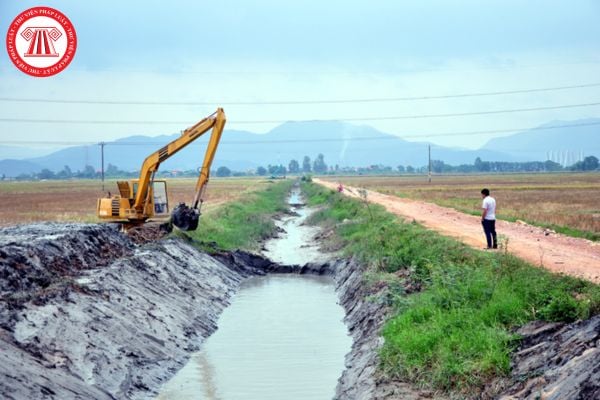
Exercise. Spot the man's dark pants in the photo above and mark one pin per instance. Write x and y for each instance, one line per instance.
(489, 227)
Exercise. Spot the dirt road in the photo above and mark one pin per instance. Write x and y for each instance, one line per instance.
(558, 253)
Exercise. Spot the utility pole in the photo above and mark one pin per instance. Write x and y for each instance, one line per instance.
(102, 144)
(429, 147)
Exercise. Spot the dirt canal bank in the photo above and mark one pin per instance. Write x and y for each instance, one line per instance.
(79, 330)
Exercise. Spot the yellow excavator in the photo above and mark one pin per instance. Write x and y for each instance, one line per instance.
(144, 198)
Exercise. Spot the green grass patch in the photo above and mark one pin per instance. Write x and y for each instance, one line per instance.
(457, 332)
(242, 224)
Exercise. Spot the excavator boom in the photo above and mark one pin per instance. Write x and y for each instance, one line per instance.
(184, 217)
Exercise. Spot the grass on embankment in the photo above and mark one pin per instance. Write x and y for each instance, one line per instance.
(457, 332)
(244, 223)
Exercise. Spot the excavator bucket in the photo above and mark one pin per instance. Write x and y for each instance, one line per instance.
(185, 218)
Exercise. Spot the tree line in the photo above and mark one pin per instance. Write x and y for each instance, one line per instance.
(318, 166)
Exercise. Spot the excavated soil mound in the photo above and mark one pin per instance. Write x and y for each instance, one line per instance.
(34, 257)
(96, 316)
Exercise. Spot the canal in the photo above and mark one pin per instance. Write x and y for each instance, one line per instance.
(283, 336)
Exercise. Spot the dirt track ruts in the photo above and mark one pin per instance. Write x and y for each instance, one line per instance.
(555, 252)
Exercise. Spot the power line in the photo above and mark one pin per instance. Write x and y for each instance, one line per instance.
(359, 138)
(421, 116)
(293, 102)
(393, 72)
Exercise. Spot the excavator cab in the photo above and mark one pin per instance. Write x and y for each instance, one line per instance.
(161, 200)
(158, 199)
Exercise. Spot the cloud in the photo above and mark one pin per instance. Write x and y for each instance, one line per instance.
(268, 50)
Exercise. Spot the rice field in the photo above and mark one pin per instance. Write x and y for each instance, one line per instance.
(75, 200)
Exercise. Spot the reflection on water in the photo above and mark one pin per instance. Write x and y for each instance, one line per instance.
(281, 338)
(205, 373)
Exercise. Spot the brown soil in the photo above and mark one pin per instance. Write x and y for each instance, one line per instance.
(540, 247)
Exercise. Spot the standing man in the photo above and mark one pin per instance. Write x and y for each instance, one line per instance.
(488, 219)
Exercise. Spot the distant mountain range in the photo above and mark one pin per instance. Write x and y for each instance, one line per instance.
(20, 153)
(341, 143)
(569, 140)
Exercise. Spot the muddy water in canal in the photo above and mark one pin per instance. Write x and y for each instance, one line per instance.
(281, 338)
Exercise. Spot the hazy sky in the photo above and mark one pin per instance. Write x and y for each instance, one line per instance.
(252, 51)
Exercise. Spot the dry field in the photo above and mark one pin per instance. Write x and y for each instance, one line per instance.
(75, 200)
(566, 200)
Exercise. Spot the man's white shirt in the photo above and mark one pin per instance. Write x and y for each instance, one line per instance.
(489, 204)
